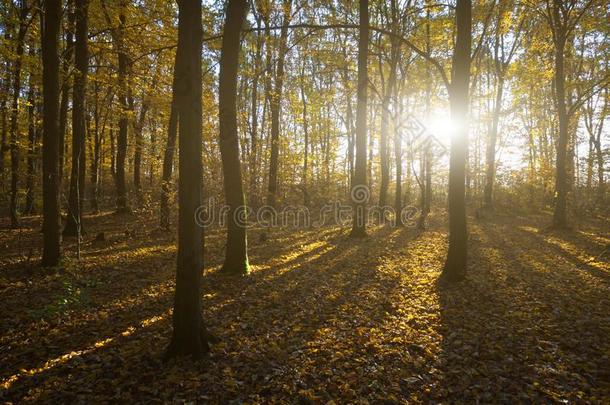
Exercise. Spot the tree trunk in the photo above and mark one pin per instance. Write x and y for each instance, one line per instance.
(74, 223)
(51, 222)
(121, 187)
(398, 163)
(154, 160)
(97, 146)
(253, 158)
(599, 155)
(14, 143)
(275, 102)
(426, 172)
(561, 198)
(189, 337)
(65, 90)
(455, 264)
(385, 125)
(236, 256)
(31, 158)
(490, 172)
(360, 193)
(168, 158)
(6, 86)
(137, 155)
(112, 155)
(306, 141)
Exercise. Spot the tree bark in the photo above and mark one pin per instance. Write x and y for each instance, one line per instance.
(360, 192)
(254, 136)
(51, 222)
(455, 264)
(31, 158)
(490, 153)
(65, 90)
(385, 116)
(189, 337)
(74, 223)
(306, 141)
(14, 143)
(168, 159)
(121, 155)
(137, 155)
(561, 184)
(398, 163)
(6, 86)
(236, 257)
(275, 102)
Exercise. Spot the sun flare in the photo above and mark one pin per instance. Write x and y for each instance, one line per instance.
(441, 126)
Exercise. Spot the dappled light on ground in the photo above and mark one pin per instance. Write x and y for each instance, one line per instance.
(321, 316)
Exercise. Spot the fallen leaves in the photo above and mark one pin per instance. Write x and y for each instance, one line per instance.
(322, 319)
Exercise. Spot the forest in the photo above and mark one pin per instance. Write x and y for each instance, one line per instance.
(304, 201)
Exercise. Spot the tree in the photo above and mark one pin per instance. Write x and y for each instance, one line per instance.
(51, 223)
(254, 135)
(74, 223)
(6, 86)
(24, 22)
(385, 110)
(118, 38)
(359, 191)
(67, 55)
(501, 61)
(562, 17)
(274, 103)
(168, 159)
(189, 336)
(455, 264)
(236, 256)
(32, 135)
(138, 128)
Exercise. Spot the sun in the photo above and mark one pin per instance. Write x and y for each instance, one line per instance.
(441, 126)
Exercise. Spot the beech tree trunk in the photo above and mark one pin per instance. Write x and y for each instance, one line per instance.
(14, 144)
(65, 89)
(398, 163)
(359, 191)
(306, 141)
(31, 158)
(236, 256)
(490, 173)
(455, 264)
(189, 337)
(385, 117)
(561, 181)
(275, 101)
(254, 136)
(51, 222)
(137, 155)
(121, 155)
(74, 223)
(168, 159)
(6, 86)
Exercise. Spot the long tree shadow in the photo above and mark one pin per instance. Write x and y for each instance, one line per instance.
(282, 314)
(92, 307)
(521, 326)
(297, 317)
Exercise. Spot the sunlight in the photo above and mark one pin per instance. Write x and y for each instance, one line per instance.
(64, 358)
(441, 126)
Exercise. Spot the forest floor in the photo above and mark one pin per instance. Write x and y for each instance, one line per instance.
(322, 317)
